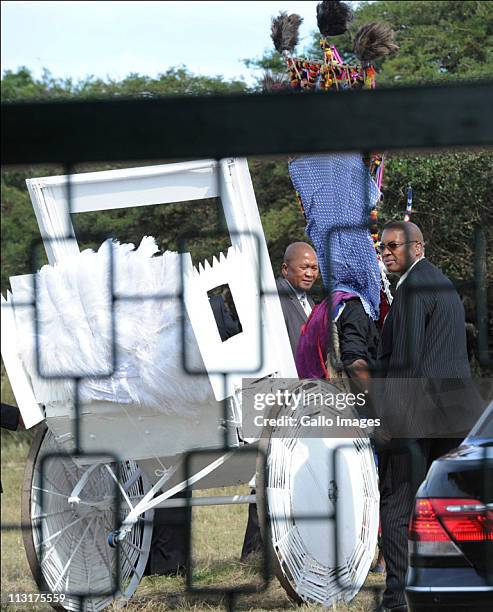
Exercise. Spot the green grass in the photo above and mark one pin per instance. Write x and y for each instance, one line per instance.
(217, 539)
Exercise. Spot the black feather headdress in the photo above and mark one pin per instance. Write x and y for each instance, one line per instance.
(333, 17)
(285, 31)
(373, 41)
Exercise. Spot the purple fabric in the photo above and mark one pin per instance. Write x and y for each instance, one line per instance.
(311, 353)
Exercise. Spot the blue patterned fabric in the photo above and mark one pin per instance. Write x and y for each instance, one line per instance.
(338, 193)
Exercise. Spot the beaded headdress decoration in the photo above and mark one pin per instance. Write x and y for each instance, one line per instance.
(372, 42)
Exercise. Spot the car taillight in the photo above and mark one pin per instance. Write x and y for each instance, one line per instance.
(439, 522)
(466, 520)
(425, 526)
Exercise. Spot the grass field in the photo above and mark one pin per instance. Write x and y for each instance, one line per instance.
(216, 556)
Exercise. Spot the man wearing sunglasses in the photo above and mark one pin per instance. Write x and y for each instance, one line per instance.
(423, 358)
(402, 246)
(424, 333)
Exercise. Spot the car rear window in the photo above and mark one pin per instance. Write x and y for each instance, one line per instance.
(484, 427)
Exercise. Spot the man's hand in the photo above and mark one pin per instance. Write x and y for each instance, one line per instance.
(358, 371)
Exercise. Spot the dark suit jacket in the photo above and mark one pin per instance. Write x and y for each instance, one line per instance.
(423, 355)
(9, 417)
(424, 334)
(9, 420)
(294, 315)
(226, 325)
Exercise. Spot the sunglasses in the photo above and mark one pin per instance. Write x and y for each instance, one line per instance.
(393, 246)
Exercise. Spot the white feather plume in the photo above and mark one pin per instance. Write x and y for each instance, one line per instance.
(74, 302)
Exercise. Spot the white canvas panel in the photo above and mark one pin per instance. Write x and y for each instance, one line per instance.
(30, 410)
(241, 354)
(134, 186)
(134, 432)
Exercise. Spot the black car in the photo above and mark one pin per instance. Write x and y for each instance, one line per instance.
(451, 530)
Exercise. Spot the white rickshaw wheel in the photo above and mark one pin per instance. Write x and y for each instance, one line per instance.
(76, 556)
(298, 482)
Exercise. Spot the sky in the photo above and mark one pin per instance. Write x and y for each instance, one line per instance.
(112, 39)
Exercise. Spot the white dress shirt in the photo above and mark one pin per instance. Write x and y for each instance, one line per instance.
(404, 276)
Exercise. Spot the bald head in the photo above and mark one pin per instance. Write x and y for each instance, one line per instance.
(410, 229)
(295, 249)
(402, 244)
(300, 266)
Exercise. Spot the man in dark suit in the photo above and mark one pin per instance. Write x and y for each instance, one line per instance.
(423, 358)
(227, 325)
(299, 271)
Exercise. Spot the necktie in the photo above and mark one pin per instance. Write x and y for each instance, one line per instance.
(305, 304)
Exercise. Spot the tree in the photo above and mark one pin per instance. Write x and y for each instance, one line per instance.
(21, 85)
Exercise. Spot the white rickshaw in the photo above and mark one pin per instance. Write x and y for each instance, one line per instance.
(134, 428)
